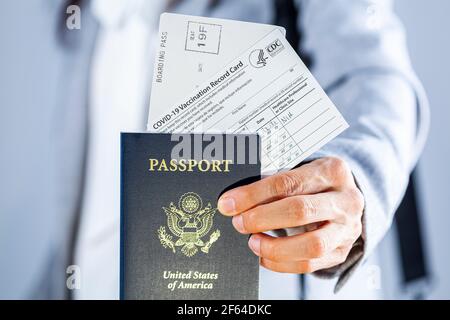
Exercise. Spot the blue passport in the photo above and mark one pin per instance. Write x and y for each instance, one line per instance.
(174, 242)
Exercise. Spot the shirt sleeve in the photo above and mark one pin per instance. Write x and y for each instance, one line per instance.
(360, 57)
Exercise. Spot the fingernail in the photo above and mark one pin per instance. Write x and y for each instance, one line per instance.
(238, 223)
(255, 244)
(226, 205)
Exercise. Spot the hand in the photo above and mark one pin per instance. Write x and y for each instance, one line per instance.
(322, 193)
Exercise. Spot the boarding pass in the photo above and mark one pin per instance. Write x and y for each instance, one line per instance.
(191, 49)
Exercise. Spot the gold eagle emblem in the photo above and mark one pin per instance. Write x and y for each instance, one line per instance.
(189, 222)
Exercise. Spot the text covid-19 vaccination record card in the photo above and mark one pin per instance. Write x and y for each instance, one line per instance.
(268, 90)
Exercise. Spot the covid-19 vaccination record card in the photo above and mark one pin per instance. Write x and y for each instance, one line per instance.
(265, 89)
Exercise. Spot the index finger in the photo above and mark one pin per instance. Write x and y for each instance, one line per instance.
(311, 178)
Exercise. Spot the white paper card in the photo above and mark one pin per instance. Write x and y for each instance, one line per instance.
(267, 90)
(192, 49)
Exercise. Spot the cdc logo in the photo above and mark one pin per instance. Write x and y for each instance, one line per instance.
(275, 47)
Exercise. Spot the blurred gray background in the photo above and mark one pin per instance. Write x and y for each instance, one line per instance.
(428, 29)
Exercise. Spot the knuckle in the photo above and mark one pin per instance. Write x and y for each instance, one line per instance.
(306, 267)
(269, 250)
(285, 185)
(249, 220)
(309, 207)
(347, 251)
(353, 230)
(343, 254)
(318, 247)
(358, 229)
(304, 209)
(297, 210)
(338, 164)
(342, 258)
(337, 168)
(357, 199)
(275, 254)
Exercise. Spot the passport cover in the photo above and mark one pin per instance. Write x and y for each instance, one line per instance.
(174, 242)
